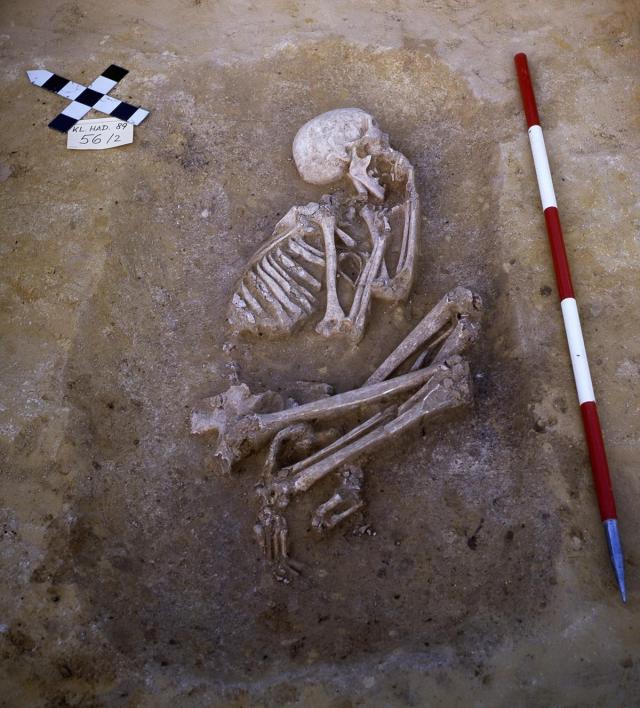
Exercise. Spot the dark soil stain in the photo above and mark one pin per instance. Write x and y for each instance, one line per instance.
(161, 545)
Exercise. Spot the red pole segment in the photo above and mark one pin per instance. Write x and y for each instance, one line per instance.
(598, 457)
(526, 89)
(558, 253)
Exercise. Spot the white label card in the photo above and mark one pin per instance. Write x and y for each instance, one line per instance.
(99, 134)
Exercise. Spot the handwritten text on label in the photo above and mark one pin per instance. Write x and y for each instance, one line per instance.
(99, 134)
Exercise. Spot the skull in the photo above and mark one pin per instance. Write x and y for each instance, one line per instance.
(338, 143)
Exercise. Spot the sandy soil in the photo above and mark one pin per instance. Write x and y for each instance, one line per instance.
(130, 576)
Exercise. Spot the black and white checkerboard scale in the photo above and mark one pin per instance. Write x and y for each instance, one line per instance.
(84, 98)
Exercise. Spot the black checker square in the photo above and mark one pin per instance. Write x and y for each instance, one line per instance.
(89, 97)
(63, 123)
(124, 111)
(115, 72)
(55, 83)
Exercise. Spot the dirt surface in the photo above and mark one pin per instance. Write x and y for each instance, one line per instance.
(477, 572)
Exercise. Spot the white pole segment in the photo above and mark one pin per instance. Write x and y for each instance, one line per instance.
(541, 162)
(577, 351)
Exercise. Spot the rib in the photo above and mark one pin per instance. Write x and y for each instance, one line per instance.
(288, 284)
(301, 248)
(295, 268)
(277, 291)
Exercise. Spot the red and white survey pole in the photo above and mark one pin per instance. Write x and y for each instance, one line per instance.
(581, 374)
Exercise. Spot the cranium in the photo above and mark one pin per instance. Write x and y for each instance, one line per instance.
(338, 143)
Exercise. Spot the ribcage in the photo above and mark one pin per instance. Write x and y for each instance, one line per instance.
(279, 290)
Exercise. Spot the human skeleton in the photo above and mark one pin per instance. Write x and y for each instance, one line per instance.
(279, 290)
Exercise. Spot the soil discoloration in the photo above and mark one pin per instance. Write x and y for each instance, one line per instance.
(161, 544)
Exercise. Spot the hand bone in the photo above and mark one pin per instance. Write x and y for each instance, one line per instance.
(346, 500)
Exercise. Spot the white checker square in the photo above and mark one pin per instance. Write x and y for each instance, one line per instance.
(72, 90)
(102, 84)
(39, 76)
(76, 110)
(107, 104)
(138, 116)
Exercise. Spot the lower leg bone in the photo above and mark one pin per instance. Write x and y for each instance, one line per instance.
(242, 429)
(448, 388)
(458, 301)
